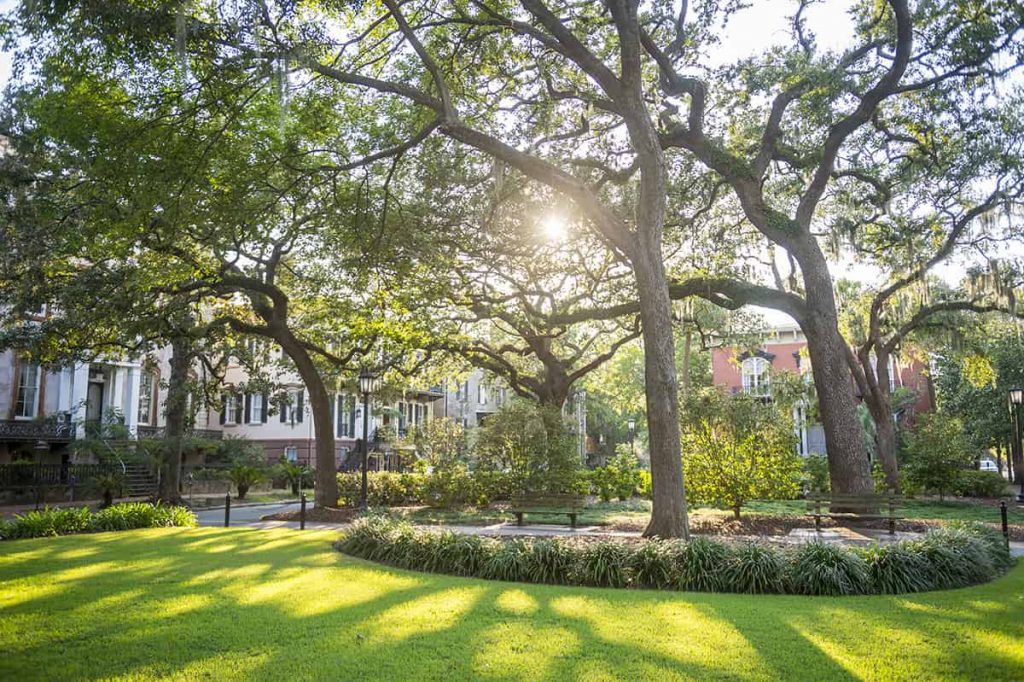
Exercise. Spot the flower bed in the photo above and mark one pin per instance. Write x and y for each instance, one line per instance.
(946, 558)
(68, 521)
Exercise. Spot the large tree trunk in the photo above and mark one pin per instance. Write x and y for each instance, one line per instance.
(326, 488)
(849, 469)
(175, 416)
(886, 442)
(879, 404)
(668, 512)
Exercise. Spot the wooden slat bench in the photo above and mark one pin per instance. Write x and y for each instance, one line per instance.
(570, 505)
(876, 508)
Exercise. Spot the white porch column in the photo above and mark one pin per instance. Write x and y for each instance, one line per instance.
(79, 393)
(131, 409)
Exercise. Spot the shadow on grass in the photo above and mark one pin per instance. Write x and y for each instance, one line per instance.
(282, 604)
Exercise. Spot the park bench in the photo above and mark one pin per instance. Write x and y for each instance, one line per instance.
(861, 508)
(570, 505)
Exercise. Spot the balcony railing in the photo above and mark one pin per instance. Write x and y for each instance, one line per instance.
(158, 432)
(46, 431)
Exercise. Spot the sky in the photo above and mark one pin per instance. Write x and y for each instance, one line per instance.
(751, 31)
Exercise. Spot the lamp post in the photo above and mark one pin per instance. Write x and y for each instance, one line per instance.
(1016, 396)
(367, 381)
(632, 431)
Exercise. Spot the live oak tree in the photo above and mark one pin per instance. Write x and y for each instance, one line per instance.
(134, 214)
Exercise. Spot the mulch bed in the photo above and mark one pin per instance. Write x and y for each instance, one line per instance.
(318, 515)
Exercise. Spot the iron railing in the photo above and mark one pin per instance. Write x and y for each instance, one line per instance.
(34, 475)
(158, 432)
(47, 431)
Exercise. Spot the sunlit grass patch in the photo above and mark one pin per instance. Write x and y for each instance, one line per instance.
(281, 604)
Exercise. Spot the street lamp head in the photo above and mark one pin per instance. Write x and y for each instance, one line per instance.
(1017, 396)
(366, 381)
(631, 424)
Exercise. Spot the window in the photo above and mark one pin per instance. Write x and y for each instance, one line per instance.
(232, 413)
(293, 410)
(291, 453)
(482, 393)
(892, 370)
(346, 416)
(500, 396)
(146, 384)
(756, 376)
(27, 403)
(257, 412)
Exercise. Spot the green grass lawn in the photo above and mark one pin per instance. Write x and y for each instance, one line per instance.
(609, 513)
(281, 604)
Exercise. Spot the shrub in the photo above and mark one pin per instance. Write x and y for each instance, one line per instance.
(737, 448)
(831, 570)
(108, 485)
(701, 564)
(961, 556)
(938, 453)
(974, 483)
(815, 474)
(532, 443)
(644, 489)
(383, 488)
(126, 516)
(140, 515)
(48, 523)
(756, 568)
(452, 486)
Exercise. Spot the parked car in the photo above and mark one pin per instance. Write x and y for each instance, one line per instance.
(987, 465)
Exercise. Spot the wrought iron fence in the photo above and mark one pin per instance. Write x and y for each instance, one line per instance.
(26, 476)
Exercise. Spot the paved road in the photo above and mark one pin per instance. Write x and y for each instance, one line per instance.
(244, 515)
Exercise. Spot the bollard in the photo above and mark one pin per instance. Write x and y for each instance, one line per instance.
(302, 512)
(227, 510)
(1006, 527)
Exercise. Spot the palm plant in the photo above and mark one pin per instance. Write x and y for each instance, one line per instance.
(243, 477)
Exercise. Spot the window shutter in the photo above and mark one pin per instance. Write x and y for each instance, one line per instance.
(239, 409)
(224, 411)
(248, 408)
(263, 411)
(299, 409)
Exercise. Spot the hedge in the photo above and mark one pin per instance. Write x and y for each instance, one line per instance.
(68, 521)
(955, 556)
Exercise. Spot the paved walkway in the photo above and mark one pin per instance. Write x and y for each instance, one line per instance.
(250, 517)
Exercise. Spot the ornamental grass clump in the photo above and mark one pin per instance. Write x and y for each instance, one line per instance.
(830, 570)
(509, 563)
(653, 564)
(950, 557)
(897, 569)
(756, 568)
(701, 565)
(47, 523)
(603, 564)
(957, 557)
(551, 561)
